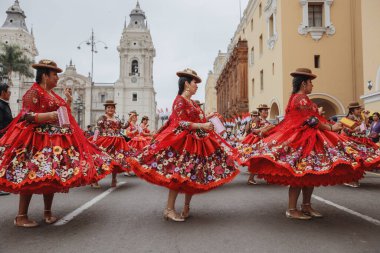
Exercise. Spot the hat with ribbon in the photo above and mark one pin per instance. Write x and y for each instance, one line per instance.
(303, 72)
(48, 64)
(189, 73)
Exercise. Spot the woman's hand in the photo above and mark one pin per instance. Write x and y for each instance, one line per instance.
(69, 95)
(207, 126)
(336, 127)
(213, 114)
(53, 116)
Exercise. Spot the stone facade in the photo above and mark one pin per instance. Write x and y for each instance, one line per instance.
(232, 84)
(15, 32)
(336, 39)
(134, 90)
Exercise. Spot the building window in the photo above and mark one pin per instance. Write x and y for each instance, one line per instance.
(102, 98)
(252, 55)
(315, 14)
(271, 26)
(261, 44)
(260, 10)
(134, 97)
(316, 18)
(262, 80)
(317, 61)
(253, 87)
(251, 24)
(135, 67)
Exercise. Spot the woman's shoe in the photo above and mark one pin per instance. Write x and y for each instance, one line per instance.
(353, 184)
(29, 224)
(49, 219)
(96, 185)
(186, 211)
(251, 182)
(306, 209)
(295, 214)
(170, 214)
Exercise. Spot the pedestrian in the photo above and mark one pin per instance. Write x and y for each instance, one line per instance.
(358, 132)
(38, 155)
(259, 128)
(187, 156)
(111, 141)
(5, 113)
(375, 127)
(304, 151)
(88, 133)
(254, 114)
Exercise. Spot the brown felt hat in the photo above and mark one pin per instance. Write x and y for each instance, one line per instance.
(353, 105)
(255, 113)
(109, 102)
(303, 72)
(145, 117)
(262, 106)
(47, 64)
(189, 73)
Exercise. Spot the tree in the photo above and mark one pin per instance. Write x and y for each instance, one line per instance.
(13, 59)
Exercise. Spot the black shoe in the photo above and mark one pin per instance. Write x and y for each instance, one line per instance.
(4, 193)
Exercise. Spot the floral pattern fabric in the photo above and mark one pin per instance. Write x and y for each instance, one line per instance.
(111, 141)
(184, 159)
(47, 158)
(296, 154)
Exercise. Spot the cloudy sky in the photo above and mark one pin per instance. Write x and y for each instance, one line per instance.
(185, 34)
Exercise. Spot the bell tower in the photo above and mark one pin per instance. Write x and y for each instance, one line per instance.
(134, 90)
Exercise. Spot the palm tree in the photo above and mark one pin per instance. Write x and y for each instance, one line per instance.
(13, 59)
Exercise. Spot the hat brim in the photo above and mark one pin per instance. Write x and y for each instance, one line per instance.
(114, 104)
(312, 76)
(258, 108)
(356, 106)
(40, 66)
(185, 74)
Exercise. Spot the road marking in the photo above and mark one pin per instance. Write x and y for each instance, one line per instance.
(362, 216)
(85, 206)
(373, 173)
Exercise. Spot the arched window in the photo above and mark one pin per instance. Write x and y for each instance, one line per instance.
(135, 67)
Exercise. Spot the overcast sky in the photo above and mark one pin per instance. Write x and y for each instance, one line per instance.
(186, 33)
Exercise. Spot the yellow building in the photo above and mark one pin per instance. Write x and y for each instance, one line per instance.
(328, 36)
(371, 54)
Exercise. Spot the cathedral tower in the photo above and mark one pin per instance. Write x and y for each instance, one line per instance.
(134, 90)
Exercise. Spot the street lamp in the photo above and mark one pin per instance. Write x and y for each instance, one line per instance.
(78, 106)
(92, 43)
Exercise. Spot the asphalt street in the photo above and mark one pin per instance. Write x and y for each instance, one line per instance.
(233, 218)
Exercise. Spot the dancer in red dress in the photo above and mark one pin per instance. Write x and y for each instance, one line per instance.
(259, 127)
(186, 156)
(140, 135)
(111, 141)
(37, 155)
(359, 132)
(303, 151)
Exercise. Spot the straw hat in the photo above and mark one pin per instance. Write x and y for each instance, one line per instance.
(109, 102)
(145, 118)
(189, 73)
(303, 72)
(47, 64)
(262, 106)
